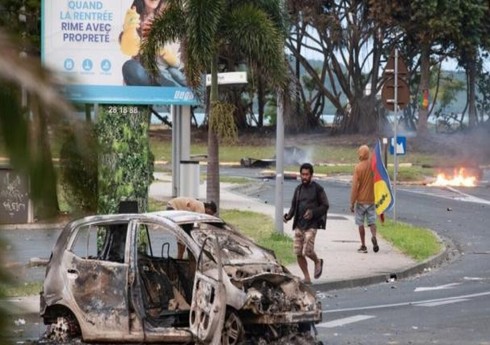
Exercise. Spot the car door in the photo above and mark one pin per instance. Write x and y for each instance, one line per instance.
(208, 305)
(98, 284)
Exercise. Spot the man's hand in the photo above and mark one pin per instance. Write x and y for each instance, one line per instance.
(285, 218)
(308, 215)
(352, 208)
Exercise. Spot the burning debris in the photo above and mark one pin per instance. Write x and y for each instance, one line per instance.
(460, 178)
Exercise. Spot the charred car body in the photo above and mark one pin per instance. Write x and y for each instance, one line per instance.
(116, 278)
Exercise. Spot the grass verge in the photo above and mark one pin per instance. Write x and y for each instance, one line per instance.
(261, 229)
(416, 242)
(21, 289)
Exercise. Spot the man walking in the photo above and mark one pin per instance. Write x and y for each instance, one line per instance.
(309, 208)
(362, 198)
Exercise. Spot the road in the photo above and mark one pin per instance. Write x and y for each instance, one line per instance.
(449, 305)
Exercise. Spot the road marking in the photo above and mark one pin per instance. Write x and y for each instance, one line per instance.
(344, 321)
(473, 278)
(440, 287)
(403, 304)
(435, 304)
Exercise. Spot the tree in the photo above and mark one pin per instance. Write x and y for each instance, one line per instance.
(207, 28)
(429, 24)
(343, 33)
(468, 40)
(17, 74)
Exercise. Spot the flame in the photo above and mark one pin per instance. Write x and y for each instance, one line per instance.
(459, 179)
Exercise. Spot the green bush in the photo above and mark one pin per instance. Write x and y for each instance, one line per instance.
(78, 172)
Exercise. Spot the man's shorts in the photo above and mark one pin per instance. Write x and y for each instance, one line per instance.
(304, 242)
(365, 212)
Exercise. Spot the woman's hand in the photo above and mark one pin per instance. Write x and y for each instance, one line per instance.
(131, 20)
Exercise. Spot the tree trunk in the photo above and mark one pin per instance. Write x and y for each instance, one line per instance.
(424, 85)
(471, 73)
(41, 152)
(260, 101)
(212, 178)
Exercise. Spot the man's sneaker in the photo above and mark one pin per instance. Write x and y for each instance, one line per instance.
(362, 249)
(375, 244)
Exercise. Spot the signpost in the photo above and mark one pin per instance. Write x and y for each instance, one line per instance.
(395, 95)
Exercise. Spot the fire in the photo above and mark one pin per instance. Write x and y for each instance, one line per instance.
(459, 179)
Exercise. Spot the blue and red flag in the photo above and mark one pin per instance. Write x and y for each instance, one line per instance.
(383, 195)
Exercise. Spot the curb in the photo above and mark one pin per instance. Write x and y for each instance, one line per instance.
(449, 253)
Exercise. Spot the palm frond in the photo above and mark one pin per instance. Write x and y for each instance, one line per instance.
(274, 9)
(262, 43)
(202, 22)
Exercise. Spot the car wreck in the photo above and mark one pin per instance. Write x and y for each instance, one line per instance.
(117, 278)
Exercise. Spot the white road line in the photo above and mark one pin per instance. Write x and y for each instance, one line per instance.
(344, 321)
(402, 304)
(435, 304)
(440, 287)
(473, 278)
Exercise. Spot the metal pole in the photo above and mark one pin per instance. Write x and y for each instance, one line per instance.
(395, 157)
(176, 152)
(279, 162)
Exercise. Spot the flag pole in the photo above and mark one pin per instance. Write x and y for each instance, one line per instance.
(395, 144)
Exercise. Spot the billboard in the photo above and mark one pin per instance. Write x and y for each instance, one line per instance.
(94, 45)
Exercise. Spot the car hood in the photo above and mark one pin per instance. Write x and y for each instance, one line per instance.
(234, 248)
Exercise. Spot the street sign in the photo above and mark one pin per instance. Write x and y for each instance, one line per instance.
(228, 78)
(388, 93)
(388, 90)
(401, 145)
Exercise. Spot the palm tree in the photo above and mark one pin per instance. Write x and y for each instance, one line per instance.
(254, 29)
(24, 77)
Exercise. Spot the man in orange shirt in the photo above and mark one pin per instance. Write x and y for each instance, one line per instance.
(362, 198)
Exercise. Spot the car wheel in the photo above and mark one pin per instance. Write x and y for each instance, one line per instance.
(233, 331)
(64, 329)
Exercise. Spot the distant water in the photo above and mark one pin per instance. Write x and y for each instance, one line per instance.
(327, 119)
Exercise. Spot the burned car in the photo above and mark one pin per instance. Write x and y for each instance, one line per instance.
(117, 278)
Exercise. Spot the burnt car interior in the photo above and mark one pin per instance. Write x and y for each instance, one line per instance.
(166, 281)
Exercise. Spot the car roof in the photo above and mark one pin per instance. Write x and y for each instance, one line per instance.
(182, 217)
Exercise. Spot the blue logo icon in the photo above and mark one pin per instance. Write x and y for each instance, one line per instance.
(87, 65)
(105, 65)
(69, 64)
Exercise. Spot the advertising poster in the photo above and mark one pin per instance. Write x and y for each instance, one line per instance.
(94, 45)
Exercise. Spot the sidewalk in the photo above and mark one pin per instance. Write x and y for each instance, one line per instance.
(337, 245)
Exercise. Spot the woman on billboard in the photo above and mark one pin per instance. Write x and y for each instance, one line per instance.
(137, 23)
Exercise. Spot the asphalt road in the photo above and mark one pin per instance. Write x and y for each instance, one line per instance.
(448, 305)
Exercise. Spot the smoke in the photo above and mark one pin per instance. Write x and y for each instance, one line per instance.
(465, 148)
(294, 155)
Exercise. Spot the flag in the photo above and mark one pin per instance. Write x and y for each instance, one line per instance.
(424, 99)
(383, 196)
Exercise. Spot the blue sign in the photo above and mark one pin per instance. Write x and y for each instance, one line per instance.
(401, 145)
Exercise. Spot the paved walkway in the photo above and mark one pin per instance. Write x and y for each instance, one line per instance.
(337, 245)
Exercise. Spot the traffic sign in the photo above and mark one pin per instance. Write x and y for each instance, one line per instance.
(388, 93)
(401, 145)
(401, 77)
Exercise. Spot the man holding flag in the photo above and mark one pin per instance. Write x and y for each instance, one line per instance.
(371, 193)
